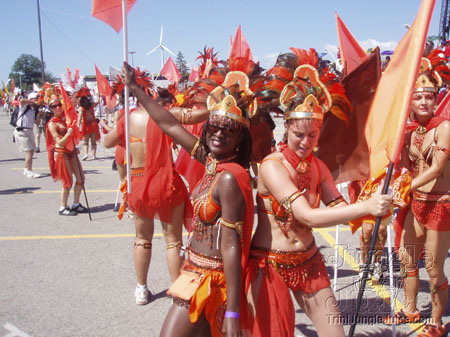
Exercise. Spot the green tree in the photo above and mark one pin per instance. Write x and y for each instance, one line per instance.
(27, 70)
(182, 66)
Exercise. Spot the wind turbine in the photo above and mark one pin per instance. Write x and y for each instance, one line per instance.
(162, 47)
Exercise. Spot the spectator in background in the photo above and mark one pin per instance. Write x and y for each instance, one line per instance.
(24, 135)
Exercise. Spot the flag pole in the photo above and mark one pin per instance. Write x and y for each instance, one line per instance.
(126, 92)
(370, 255)
(82, 180)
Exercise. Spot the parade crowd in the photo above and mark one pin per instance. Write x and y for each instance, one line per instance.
(199, 150)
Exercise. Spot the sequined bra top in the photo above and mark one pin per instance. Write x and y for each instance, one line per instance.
(204, 206)
(284, 220)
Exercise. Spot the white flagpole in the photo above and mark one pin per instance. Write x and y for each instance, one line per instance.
(391, 275)
(127, 117)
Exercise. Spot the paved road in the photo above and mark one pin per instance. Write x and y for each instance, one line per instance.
(68, 276)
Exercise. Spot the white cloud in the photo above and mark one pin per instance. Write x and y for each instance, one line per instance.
(267, 61)
(372, 43)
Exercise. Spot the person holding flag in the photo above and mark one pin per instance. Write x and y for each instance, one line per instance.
(426, 224)
(291, 184)
(62, 153)
(208, 294)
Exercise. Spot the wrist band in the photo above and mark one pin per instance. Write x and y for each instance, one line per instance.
(231, 314)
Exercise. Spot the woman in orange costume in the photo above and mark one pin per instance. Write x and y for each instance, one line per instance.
(89, 130)
(223, 209)
(427, 222)
(156, 191)
(63, 156)
(291, 184)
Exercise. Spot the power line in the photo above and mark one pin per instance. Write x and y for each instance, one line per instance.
(68, 40)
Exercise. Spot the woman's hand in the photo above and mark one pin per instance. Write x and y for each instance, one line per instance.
(379, 204)
(231, 327)
(128, 74)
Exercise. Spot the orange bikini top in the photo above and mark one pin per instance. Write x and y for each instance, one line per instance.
(285, 221)
(205, 207)
(136, 140)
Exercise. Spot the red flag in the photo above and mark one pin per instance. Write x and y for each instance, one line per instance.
(352, 55)
(193, 76)
(70, 114)
(110, 11)
(443, 108)
(343, 147)
(105, 89)
(239, 46)
(170, 71)
(389, 111)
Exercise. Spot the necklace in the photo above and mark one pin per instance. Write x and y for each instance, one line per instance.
(420, 136)
(210, 170)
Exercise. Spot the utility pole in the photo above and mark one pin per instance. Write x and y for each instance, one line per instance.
(132, 59)
(40, 41)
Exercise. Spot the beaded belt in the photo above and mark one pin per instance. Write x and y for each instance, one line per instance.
(286, 258)
(137, 171)
(205, 261)
(431, 197)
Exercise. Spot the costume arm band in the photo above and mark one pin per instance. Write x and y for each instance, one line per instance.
(443, 149)
(336, 201)
(236, 225)
(194, 148)
(184, 113)
(286, 202)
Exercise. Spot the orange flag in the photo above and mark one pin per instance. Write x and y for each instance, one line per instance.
(388, 114)
(13, 85)
(110, 11)
(170, 71)
(239, 46)
(105, 89)
(352, 55)
(70, 114)
(443, 108)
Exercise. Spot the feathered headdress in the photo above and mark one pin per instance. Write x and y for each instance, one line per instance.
(207, 58)
(433, 72)
(83, 92)
(142, 79)
(305, 87)
(72, 85)
(49, 94)
(231, 89)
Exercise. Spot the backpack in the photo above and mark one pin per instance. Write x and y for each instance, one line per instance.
(15, 115)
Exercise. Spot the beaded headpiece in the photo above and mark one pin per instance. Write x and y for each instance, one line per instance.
(429, 79)
(49, 94)
(305, 87)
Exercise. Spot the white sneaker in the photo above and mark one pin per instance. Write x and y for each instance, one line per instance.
(377, 273)
(31, 174)
(85, 157)
(25, 171)
(141, 295)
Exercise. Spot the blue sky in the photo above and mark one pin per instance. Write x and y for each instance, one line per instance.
(73, 38)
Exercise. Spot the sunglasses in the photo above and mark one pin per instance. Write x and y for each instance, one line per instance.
(228, 132)
(54, 106)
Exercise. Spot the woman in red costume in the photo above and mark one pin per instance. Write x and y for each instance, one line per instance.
(207, 295)
(87, 123)
(426, 226)
(156, 191)
(291, 184)
(63, 156)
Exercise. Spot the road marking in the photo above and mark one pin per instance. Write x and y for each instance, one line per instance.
(46, 168)
(26, 191)
(65, 237)
(378, 288)
(14, 332)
